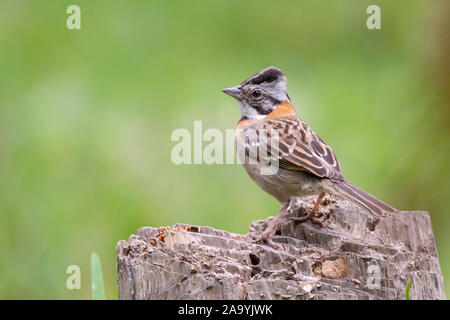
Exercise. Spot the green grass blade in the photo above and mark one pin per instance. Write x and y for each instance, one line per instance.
(98, 290)
(408, 286)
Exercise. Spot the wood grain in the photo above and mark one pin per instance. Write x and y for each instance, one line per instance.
(352, 258)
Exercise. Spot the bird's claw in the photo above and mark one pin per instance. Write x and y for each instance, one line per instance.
(313, 220)
(266, 240)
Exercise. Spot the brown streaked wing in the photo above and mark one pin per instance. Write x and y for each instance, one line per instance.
(311, 153)
(325, 152)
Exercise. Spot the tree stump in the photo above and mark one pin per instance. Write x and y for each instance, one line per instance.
(354, 257)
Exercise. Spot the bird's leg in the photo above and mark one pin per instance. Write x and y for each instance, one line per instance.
(265, 236)
(312, 215)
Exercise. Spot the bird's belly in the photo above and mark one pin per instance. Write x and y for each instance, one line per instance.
(285, 184)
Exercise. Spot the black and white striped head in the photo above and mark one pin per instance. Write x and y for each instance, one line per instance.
(261, 93)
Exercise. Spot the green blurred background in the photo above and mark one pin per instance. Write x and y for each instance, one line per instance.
(86, 118)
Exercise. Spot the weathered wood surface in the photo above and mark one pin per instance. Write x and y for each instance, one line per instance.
(352, 258)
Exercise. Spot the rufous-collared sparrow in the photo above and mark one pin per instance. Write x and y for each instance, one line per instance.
(306, 165)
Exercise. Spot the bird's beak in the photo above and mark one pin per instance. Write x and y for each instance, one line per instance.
(235, 92)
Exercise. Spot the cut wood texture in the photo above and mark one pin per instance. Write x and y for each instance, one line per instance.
(354, 257)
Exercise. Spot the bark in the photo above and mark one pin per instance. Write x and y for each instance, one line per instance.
(354, 257)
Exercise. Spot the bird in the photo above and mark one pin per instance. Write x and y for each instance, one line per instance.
(271, 132)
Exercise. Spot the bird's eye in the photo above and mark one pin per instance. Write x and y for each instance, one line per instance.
(256, 93)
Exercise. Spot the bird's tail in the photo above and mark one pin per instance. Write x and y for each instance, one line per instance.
(376, 207)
